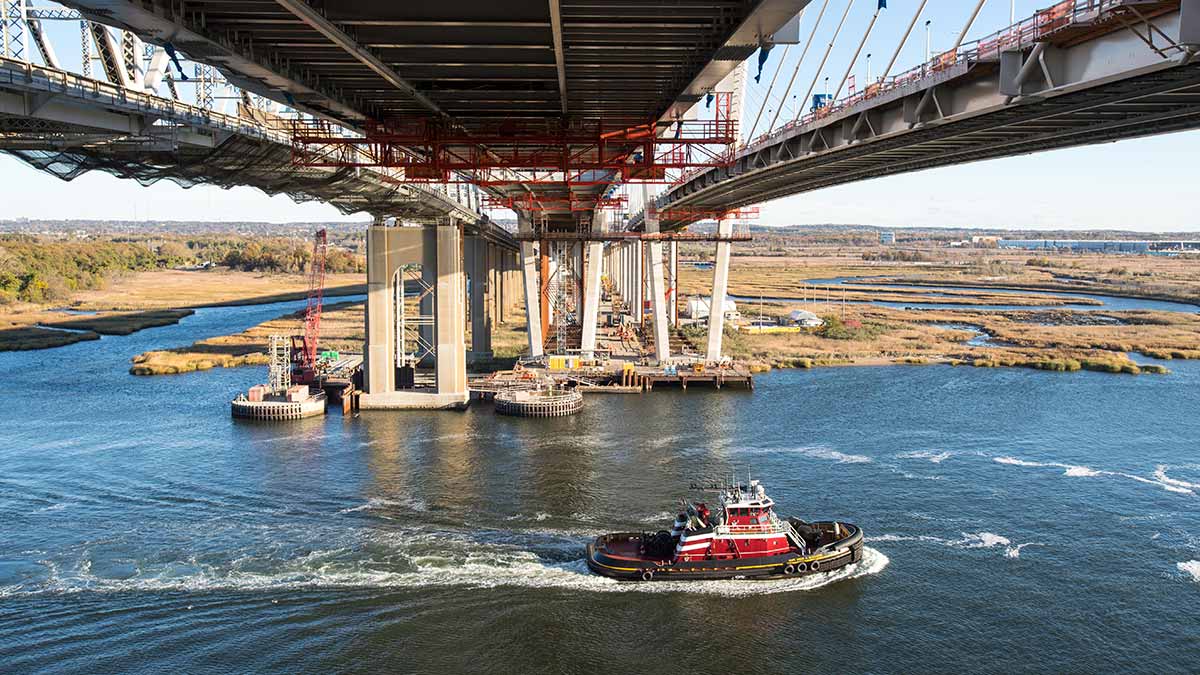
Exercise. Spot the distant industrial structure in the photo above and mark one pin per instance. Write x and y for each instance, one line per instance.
(887, 238)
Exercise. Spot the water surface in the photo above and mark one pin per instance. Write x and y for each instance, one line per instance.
(1017, 520)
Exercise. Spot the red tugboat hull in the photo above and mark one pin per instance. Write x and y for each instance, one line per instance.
(620, 556)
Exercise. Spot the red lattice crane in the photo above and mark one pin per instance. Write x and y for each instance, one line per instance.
(304, 348)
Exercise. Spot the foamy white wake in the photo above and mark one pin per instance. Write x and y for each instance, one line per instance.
(1160, 477)
(408, 561)
(935, 457)
(1015, 551)
(815, 452)
(968, 540)
(818, 452)
(1190, 568)
(379, 503)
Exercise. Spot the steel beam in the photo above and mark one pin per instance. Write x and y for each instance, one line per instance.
(303, 11)
(559, 60)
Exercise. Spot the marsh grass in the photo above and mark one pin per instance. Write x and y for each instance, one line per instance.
(32, 337)
(124, 324)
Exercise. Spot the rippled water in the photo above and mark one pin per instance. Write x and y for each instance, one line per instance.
(1017, 521)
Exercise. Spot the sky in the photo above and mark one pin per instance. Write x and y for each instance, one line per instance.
(1141, 184)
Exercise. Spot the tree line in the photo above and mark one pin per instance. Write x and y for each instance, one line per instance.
(40, 270)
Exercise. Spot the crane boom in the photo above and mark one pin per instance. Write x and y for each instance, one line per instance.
(304, 354)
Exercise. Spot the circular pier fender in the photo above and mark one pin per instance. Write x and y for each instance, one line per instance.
(815, 565)
(789, 569)
(647, 575)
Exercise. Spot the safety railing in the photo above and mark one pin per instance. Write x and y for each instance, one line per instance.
(273, 128)
(1026, 32)
(52, 80)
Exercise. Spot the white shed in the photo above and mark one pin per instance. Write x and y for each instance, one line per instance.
(804, 318)
(698, 307)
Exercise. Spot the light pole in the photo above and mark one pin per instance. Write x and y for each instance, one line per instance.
(868, 68)
(1012, 12)
(928, 40)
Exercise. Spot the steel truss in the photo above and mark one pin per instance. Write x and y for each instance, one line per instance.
(586, 152)
(412, 325)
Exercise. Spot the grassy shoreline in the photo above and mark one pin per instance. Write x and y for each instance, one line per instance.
(1051, 288)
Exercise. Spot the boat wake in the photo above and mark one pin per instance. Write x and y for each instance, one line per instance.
(934, 457)
(968, 540)
(379, 503)
(1160, 478)
(396, 561)
(820, 452)
(1190, 568)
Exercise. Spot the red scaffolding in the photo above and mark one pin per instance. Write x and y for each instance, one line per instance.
(488, 153)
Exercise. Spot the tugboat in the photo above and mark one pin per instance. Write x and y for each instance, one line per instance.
(745, 539)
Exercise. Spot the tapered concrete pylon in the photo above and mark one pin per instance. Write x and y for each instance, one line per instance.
(716, 306)
(533, 296)
(673, 283)
(658, 289)
(593, 266)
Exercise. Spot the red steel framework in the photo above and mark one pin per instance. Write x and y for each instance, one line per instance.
(541, 202)
(509, 152)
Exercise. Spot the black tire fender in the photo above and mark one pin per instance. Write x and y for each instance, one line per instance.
(789, 569)
(647, 575)
(815, 565)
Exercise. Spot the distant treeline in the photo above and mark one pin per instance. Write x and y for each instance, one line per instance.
(40, 270)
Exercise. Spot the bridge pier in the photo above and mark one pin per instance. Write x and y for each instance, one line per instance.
(437, 249)
(657, 288)
(716, 305)
(636, 280)
(673, 282)
(592, 273)
(480, 263)
(530, 281)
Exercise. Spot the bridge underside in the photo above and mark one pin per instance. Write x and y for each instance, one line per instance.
(1147, 105)
(1096, 81)
(469, 62)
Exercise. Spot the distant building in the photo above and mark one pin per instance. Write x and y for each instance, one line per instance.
(887, 238)
(698, 308)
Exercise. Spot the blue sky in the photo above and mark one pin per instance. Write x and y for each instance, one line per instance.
(1144, 184)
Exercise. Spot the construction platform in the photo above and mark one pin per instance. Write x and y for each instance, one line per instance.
(279, 408)
(539, 402)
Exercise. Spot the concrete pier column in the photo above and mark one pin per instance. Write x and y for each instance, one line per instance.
(438, 250)
(479, 271)
(639, 277)
(580, 253)
(593, 268)
(451, 322)
(673, 283)
(379, 373)
(623, 271)
(657, 287)
(533, 297)
(716, 306)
